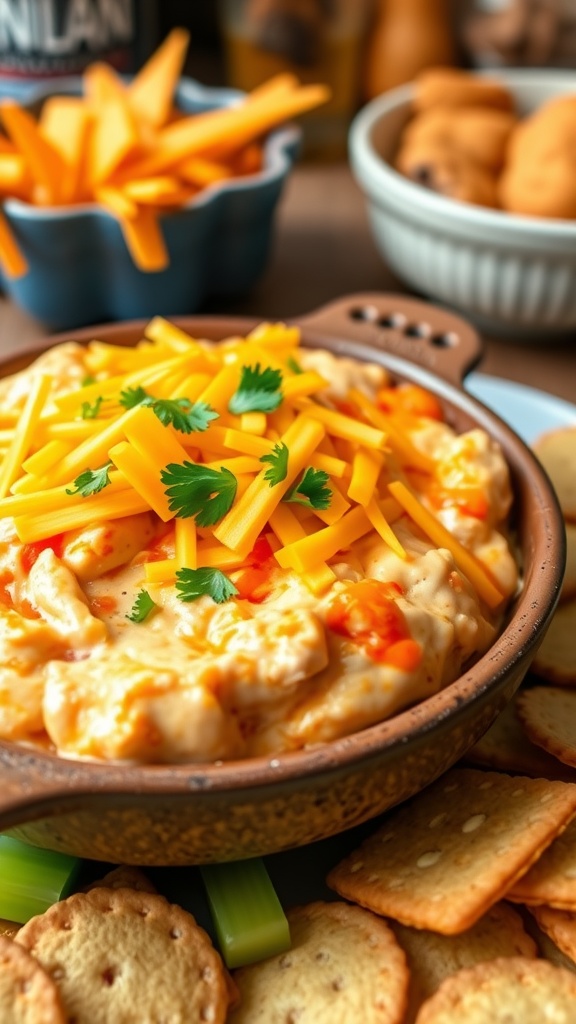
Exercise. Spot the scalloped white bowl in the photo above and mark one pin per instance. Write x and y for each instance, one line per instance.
(510, 274)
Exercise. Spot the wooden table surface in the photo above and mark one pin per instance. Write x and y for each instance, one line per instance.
(323, 249)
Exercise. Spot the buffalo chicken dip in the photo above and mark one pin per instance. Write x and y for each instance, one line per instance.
(214, 551)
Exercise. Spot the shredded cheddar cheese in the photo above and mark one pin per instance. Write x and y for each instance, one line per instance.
(293, 463)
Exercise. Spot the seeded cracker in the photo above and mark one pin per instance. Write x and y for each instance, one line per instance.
(559, 926)
(513, 990)
(432, 957)
(28, 995)
(441, 860)
(506, 747)
(344, 965)
(121, 957)
(555, 659)
(552, 879)
(557, 453)
(548, 714)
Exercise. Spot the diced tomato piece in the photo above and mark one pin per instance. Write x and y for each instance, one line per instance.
(410, 398)
(253, 584)
(367, 613)
(30, 552)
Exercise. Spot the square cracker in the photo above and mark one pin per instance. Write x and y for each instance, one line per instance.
(552, 879)
(432, 957)
(441, 860)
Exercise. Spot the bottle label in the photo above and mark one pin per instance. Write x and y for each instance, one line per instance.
(42, 38)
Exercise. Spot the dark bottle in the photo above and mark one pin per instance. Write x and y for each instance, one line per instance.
(41, 39)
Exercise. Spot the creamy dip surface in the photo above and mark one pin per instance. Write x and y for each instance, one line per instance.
(301, 653)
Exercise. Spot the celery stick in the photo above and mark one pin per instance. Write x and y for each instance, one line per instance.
(248, 918)
(31, 880)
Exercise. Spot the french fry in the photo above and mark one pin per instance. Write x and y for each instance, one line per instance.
(45, 163)
(126, 147)
(145, 242)
(151, 93)
(12, 261)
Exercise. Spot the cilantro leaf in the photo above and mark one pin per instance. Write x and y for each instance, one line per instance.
(258, 391)
(278, 459)
(312, 490)
(88, 379)
(293, 365)
(91, 481)
(194, 583)
(133, 396)
(198, 491)
(90, 411)
(142, 607)
(186, 416)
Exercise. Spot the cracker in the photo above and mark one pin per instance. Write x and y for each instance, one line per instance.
(432, 957)
(548, 714)
(344, 965)
(28, 995)
(124, 956)
(548, 949)
(8, 928)
(512, 990)
(557, 453)
(555, 659)
(559, 926)
(123, 877)
(441, 860)
(552, 879)
(507, 748)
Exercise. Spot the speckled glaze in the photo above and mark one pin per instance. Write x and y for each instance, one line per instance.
(181, 814)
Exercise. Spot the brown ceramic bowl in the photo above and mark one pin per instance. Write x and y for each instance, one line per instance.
(185, 813)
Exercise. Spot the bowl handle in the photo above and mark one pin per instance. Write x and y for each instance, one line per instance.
(419, 332)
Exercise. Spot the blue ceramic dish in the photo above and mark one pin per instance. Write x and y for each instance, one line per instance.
(82, 273)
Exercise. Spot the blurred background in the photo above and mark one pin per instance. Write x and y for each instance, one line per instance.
(361, 48)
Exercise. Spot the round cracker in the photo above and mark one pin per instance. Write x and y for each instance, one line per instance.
(28, 995)
(557, 453)
(433, 957)
(124, 956)
(344, 964)
(548, 714)
(556, 656)
(510, 990)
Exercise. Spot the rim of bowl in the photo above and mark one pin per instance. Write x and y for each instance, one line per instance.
(517, 639)
(277, 143)
(374, 173)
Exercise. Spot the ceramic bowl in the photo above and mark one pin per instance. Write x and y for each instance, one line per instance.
(163, 814)
(510, 274)
(82, 273)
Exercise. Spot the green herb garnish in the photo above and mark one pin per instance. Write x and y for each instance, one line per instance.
(132, 397)
(311, 490)
(293, 365)
(182, 414)
(194, 583)
(90, 410)
(142, 607)
(88, 379)
(91, 481)
(259, 390)
(278, 459)
(193, 490)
